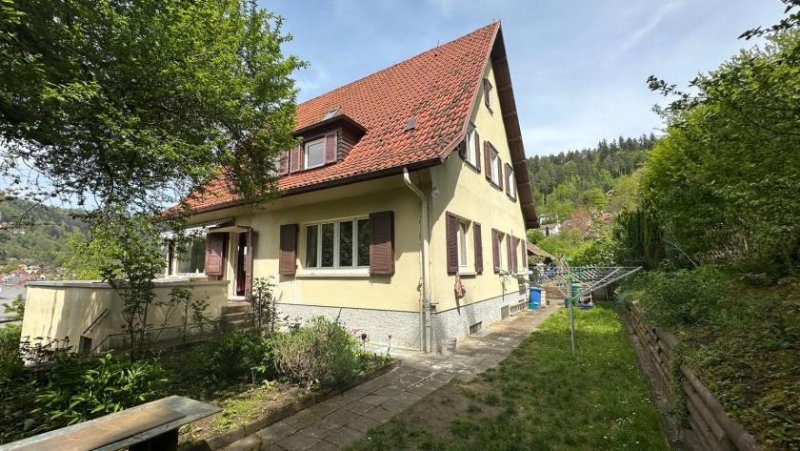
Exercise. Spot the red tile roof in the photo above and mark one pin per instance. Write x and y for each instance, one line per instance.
(437, 87)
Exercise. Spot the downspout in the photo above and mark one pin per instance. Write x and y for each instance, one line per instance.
(425, 310)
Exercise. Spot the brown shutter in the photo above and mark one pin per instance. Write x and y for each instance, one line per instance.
(381, 249)
(477, 151)
(296, 159)
(487, 158)
(330, 147)
(283, 163)
(476, 231)
(248, 262)
(509, 253)
(215, 247)
(495, 251)
(451, 229)
(287, 257)
(500, 173)
(506, 178)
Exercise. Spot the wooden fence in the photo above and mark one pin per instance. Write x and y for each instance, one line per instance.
(707, 426)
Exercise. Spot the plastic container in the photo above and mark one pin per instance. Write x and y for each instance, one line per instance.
(535, 297)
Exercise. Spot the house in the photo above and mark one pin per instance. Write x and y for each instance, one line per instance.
(403, 212)
(550, 229)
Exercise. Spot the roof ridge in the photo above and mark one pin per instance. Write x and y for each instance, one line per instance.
(495, 23)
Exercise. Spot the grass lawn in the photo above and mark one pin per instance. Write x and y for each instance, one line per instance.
(540, 397)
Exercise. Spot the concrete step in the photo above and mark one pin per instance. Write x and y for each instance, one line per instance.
(236, 316)
(236, 308)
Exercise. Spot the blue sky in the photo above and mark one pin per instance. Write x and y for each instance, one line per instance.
(578, 66)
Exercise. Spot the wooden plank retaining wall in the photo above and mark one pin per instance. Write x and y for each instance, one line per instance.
(707, 425)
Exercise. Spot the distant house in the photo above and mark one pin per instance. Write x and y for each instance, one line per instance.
(550, 229)
(409, 183)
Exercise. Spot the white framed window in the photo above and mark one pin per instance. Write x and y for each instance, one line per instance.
(471, 152)
(502, 253)
(511, 184)
(496, 166)
(461, 245)
(190, 257)
(314, 154)
(338, 244)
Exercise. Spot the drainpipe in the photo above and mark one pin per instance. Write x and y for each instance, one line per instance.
(425, 311)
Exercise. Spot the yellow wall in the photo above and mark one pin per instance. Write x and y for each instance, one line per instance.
(461, 190)
(397, 292)
(59, 310)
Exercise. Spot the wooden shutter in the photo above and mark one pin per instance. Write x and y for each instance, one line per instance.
(451, 229)
(510, 253)
(381, 248)
(487, 158)
(283, 163)
(296, 159)
(476, 231)
(477, 151)
(507, 178)
(248, 262)
(287, 257)
(331, 140)
(500, 173)
(215, 250)
(495, 251)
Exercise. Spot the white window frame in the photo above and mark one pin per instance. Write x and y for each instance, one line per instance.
(496, 164)
(512, 184)
(501, 254)
(336, 235)
(305, 153)
(471, 152)
(462, 245)
(487, 92)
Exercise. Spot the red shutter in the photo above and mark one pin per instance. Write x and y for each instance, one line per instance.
(296, 159)
(287, 257)
(283, 163)
(248, 262)
(507, 178)
(451, 229)
(487, 158)
(330, 147)
(509, 253)
(476, 231)
(215, 249)
(381, 249)
(495, 251)
(477, 151)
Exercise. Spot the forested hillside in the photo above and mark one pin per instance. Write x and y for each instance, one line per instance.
(564, 182)
(42, 237)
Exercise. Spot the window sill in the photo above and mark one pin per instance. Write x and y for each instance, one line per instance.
(333, 273)
(467, 273)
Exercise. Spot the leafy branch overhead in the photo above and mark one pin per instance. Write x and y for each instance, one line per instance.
(135, 103)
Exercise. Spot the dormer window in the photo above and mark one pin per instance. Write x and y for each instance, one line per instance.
(314, 155)
(330, 114)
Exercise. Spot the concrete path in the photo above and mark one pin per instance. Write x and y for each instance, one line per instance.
(337, 422)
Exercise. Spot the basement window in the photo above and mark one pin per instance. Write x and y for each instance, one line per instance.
(475, 327)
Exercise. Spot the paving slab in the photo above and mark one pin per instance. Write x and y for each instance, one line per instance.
(338, 421)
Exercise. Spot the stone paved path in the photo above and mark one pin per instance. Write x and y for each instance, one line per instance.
(338, 421)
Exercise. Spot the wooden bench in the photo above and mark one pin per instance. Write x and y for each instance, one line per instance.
(151, 426)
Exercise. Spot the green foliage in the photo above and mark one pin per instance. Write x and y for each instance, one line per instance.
(79, 389)
(724, 181)
(10, 359)
(122, 102)
(83, 257)
(35, 234)
(321, 353)
(569, 242)
(263, 304)
(535, 236)
(639, 239)
(16, 309)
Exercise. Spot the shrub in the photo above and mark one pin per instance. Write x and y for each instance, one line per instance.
(232, 358)
(322, 353)
(685, 297)
(80, 388)
(10, 359)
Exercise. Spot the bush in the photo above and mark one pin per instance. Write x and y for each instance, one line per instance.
(685, 297)
(10, 360)
(230, 359)
(79, 388)
(322, 353)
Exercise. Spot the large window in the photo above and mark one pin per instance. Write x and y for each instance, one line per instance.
(341, 244)
(314, 154)
(192, 258)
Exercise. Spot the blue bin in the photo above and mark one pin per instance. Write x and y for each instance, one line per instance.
(535, 298)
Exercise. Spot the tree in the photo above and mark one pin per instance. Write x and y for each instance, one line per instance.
(138, 103)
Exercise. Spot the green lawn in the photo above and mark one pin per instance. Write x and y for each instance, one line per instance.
(541, 397)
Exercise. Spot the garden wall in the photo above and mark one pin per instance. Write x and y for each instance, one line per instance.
(706, 425)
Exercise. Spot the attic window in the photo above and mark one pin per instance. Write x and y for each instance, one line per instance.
(487, 93)
(330, 114)
(411, 124)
